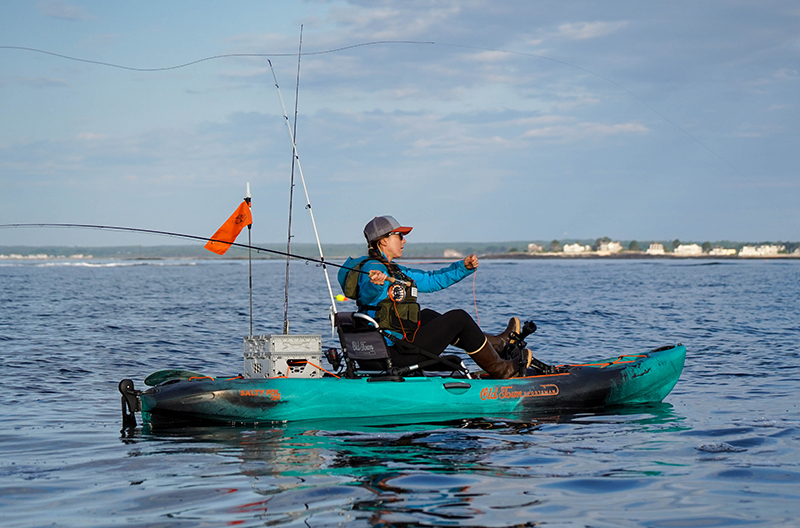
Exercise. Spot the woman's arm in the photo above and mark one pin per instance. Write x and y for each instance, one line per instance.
(431, 281)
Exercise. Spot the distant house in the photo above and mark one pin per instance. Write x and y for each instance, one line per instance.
(655, 249)
(576, 248)
(688, 250)
(761, 251)
(535, 248)
(722, 252)
(606, 248)
(453, 253)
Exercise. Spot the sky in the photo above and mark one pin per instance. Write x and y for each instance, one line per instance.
(470, 120)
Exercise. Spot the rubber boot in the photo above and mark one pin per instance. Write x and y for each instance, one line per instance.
(500, 340)
(498, 368)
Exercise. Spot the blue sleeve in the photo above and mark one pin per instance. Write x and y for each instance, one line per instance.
(431, 281)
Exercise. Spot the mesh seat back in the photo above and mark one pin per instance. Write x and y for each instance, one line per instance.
(360, 341)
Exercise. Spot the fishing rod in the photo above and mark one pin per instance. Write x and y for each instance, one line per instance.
(305, 189)
(291, 192)
(195, 237)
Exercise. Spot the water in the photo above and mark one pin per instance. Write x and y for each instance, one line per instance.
(721, 450)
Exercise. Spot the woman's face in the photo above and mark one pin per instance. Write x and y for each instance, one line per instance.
(392, 246)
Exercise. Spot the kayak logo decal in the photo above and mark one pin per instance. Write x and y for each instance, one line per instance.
(272, 394)
(507, 393)
(363, 346)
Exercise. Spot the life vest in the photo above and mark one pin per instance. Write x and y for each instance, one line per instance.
(399, 311)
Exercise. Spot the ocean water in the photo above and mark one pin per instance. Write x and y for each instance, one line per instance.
(723, 449)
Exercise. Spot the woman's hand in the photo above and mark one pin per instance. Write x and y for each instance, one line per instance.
(471, 262)
(377, 277)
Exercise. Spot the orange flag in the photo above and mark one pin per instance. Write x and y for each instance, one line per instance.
(226, 235)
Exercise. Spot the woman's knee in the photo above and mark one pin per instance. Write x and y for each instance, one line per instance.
(460, 315)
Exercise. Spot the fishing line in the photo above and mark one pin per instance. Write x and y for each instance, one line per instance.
(213, 57)
(383, 42)
(475, 297)
(414, 42)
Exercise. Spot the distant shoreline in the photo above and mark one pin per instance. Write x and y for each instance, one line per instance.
(447, 251)
(628, 255)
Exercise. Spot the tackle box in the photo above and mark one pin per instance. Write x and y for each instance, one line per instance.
(293, 356)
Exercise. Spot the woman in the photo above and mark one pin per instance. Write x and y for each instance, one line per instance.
(387, 292)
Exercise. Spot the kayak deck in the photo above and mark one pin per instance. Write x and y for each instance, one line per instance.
(627, 379)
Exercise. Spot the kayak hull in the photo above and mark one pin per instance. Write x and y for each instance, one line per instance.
(629, 379)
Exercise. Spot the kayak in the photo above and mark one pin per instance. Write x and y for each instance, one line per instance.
(181, 398)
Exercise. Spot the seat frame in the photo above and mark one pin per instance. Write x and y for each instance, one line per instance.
(366, 353)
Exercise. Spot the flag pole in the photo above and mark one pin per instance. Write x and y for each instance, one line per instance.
(250, 259)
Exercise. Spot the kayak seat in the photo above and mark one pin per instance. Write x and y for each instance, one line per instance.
(366, 353)
(363, 346)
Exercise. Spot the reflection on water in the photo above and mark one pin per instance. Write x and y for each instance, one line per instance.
(441, 472)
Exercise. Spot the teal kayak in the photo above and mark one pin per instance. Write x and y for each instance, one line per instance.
(623, 380)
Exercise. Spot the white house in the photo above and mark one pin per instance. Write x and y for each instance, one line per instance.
(576, 248)
(722, 252)
(609, 247)
(761, 251)
(535, 248)
(688, 250)
(655, 249)
(453, 253)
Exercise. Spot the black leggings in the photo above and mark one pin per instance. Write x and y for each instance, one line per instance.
(435, 333)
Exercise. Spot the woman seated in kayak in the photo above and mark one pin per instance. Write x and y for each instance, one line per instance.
(387, 292)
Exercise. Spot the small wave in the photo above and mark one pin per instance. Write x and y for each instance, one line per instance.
(720, 447)
(712, 263)
(118, 264)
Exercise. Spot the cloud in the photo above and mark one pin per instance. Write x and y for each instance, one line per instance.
(91, 136)
(779, 107)
(589, 30)
(758, 131)
(489, 56)
(580, 131)
(44, 82)
(786, 74)
(401, 21)
(62, 10)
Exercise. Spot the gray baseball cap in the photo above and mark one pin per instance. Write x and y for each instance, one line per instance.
(380, 226)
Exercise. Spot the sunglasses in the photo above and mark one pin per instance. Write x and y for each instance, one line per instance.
(402, 237)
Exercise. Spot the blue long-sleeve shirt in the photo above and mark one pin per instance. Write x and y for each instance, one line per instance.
(371, 294)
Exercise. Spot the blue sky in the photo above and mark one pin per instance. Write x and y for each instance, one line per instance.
(494, 121)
